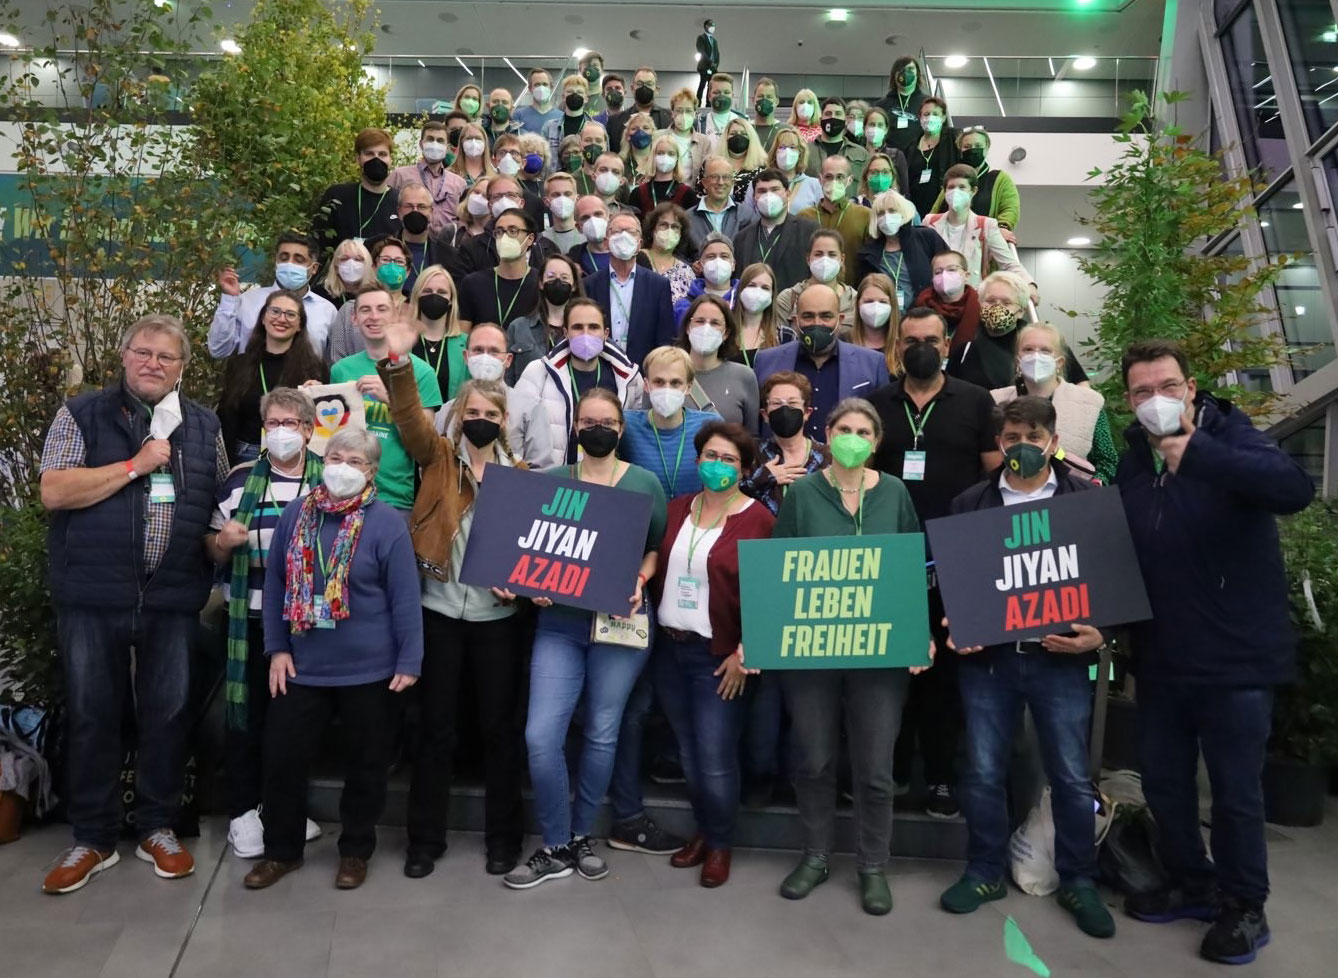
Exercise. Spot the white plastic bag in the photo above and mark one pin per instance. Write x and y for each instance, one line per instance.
(1031, 850)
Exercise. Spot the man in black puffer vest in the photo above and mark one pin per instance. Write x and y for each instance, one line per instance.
(129, 474)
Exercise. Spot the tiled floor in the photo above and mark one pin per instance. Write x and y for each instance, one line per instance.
(644, 919)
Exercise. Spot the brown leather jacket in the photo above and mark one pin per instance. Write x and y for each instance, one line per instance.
(444, 494)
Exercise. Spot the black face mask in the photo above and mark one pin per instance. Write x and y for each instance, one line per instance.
(644, 94)
(376, 169)
(786, 422)
(922, 361)
(453, 137)
(433, 306)
(817, 339)
(974, 157)
(764, 107)
(415, 222)
(592, 153)
(480, 431)
(500, 114)
(737, 143)
(556, 292)
(598, 441)
(614, 98)
(906, 78)
(575, 101)
(832, 128)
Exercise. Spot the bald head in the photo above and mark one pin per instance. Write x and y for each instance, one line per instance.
(815, 302)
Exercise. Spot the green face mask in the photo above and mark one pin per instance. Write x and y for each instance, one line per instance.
(500, 114)
(392, 276)
(1025, 459)
(572, 163)
(851, 450)
(469, 106)
(879, 182)
(717, 475)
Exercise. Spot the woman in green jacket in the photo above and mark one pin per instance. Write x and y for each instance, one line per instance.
(996, 195)
(846, 499)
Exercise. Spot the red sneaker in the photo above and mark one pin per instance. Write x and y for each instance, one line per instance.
(169, 857)
(79, 865)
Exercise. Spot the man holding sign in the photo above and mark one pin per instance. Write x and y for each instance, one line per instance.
(1049, 676)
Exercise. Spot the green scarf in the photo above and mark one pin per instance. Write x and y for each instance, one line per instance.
(238, 597)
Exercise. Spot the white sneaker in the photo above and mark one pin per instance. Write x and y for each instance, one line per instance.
(313, 831)
(246, 835)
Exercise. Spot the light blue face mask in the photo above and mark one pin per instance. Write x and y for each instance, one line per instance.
(290, 275)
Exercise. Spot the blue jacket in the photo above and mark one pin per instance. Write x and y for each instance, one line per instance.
(698, 287)
(651, 318)
(863, 371)
(1207, 543)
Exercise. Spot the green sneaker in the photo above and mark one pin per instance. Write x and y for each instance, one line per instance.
(1088, 910)
(968, 894)
(874, 894)
(811, 871)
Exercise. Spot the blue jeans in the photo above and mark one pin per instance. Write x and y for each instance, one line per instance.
(625, 782)
(565, 662)
(762, 728)
(95, 646)
(995, 686)
(707, 730)
(1231, 727)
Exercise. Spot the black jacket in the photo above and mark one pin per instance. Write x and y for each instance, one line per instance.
(480, 252)
(788, 255)
(708, 54)
(918, 243)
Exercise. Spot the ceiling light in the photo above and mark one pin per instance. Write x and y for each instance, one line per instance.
(1264, 224)
(1078, 242)
(8, 41)
(1300, 310)
(1084, 63)
(420, 63)
(955, 61)
(1330, 36)
(229, 46)
(580, 53)
(838, 14)
(464, 66)
(1297, 206)
(163, 4)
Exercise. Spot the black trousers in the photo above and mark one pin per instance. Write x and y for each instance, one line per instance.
(243, 750)
(933, 714)
(704, 74)
(293, 730)
(494, 652)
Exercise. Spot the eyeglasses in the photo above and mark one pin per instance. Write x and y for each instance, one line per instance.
(970, 129)
(711, 455)
(140, 355)
(387, 260)
(1170, 388)
(585, 424)
(515, 234)
(273, 424)
(291, 315)
(718, 177)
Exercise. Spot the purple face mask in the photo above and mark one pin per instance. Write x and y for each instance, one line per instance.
(587, 346)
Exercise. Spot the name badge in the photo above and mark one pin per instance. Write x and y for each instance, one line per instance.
(322, 610)
(901, 301)
(359, 240)
(903, 122)
(926, 174)
(161, 489)
(688, 590)
(913, 467)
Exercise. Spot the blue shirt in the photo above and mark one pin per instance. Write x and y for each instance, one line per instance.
(530, 119)
(667, 453)
(826, 381)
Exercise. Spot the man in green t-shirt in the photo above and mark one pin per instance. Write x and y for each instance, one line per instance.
(373, 312)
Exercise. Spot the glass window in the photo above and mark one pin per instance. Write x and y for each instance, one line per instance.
(1301, 305)
(1253, 378)
(1252, 95)
(1312, 43)
(1306, 445)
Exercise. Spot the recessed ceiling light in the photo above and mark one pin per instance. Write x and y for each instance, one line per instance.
(8, 41)
(955, 61)
(229, 46)
(1264, 224)
(580, 53)
(420, 63)
(1084, 63)
(1078, 242)
(1297, 206)
(838, 14)
(1300, 310)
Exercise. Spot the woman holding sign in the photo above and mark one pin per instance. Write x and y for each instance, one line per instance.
(566, 662)
(460, 621)
(700, 673)
(844, 500)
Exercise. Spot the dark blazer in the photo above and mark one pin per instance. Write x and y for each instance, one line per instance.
(651, 317)
(709, 52)
(918, 243)
(788, 258)
(862, 371)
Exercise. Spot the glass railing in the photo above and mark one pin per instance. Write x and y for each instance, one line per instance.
(1039, 87)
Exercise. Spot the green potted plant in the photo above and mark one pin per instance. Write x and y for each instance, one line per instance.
(1304, 742)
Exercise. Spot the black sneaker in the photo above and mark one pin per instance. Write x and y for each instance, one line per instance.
(588, 865)
(1170, 903)
(1237, 935)
(547, 863)
(641, 834)
(941, 802)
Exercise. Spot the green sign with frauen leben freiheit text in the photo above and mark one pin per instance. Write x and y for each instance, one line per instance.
(834, 602)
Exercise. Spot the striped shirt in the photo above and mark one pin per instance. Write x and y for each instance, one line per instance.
(281, 490)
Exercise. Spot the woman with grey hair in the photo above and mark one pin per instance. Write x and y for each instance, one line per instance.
(343, 632)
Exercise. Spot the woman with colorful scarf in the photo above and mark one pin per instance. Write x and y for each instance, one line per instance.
(343, 632)
(249, 506)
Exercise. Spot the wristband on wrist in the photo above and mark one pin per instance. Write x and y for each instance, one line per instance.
(130, 469)
(643, 579)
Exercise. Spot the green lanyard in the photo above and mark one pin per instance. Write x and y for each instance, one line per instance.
(859, 514)
(326, 569)
(766, 252)
(692, 529)
(887, 267)
(362, 225)
(497, 287)
(441, 352)
(655, 194)
(918, 430)
(659, 443)
(575, 391)
(264, 385)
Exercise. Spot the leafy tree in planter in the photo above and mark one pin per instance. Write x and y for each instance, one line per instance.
(1154, 210)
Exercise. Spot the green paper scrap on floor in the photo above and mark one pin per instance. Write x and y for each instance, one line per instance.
(1018, 949)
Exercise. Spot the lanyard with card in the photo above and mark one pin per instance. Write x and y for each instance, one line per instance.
(318, 604)
(913, 461)
(161, 489)
(689, 584)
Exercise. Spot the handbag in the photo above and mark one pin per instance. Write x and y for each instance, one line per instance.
(630, 633)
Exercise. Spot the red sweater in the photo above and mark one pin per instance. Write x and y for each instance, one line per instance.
(722, 567)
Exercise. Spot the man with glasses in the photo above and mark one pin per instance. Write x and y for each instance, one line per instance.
(295, 267)
(717, 212)
(444, 186)
(644, 86)
(425, 248)
(1202, 488)
(129, 475)
(509, 290)
(778, 240)
(482, 254)
(638, 303)
(833, 368)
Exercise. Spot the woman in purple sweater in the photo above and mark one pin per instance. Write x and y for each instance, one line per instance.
(344, 633)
